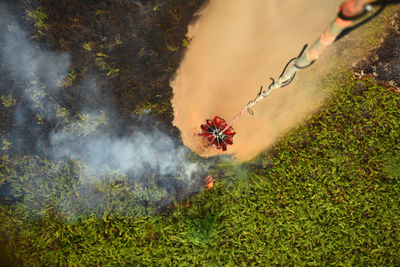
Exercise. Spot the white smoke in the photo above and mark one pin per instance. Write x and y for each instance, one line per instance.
(40, 71)
(140, 154)
(90, 138)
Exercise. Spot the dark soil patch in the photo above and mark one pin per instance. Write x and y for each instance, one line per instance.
(384, 62)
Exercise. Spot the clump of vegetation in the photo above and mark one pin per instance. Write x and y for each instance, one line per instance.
(157, 108)
(104, 66)
(202, 231)
(88, 46)
(6, 145)
(39, 17)
(392, 164)
(8, 101)
(69, 80)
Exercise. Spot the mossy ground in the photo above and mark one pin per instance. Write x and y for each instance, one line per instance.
(327, 193)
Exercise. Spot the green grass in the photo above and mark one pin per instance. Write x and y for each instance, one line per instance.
(327, 193)
(39, 17)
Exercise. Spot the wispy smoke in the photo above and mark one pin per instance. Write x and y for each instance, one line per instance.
(140, 154)
(88, 138)
(40, 71)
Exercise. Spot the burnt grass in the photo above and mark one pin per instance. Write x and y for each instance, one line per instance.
(131, 49)
(135, 47)
(384, 62)
(144, 45)
(327, 193)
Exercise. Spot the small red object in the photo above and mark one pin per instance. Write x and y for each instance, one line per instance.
(217, 133)
(209, 181)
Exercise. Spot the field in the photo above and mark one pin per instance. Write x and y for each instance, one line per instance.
(327, 192)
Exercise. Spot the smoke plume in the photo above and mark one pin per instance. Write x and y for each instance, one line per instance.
(151, 163)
